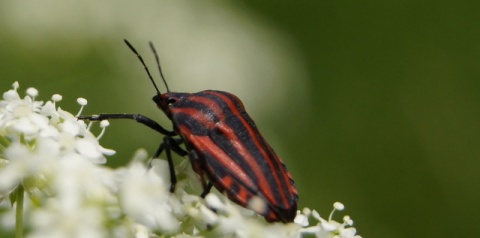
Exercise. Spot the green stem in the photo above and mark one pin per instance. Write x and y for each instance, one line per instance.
(19, 212)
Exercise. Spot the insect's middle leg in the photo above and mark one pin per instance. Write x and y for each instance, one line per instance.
(170, 144)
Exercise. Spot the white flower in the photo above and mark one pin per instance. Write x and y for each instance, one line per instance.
(81, 204)
(145, 197)
(55, 158)
(331, 228)
(37, 134)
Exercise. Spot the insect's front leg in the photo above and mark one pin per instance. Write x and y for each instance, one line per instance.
(137, 117)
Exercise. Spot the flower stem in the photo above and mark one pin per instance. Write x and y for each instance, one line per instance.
(19, 212)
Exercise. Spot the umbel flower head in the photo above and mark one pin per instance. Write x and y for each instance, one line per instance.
(35, 136)
(58, 162)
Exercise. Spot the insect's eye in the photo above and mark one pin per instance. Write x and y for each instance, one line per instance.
(170, 101)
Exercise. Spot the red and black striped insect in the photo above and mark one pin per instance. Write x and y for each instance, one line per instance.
(224, 147)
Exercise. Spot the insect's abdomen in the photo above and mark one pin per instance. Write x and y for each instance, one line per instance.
(233, 154)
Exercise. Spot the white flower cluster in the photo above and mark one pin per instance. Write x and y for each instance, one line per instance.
(58, 161)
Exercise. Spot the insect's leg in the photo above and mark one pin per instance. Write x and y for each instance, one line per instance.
(174, 142)
(157, 154)
(137, 117)
(178, 141)
(174, 145)
(173, 177)
(169, 144)
(206, 190)
(197, 167)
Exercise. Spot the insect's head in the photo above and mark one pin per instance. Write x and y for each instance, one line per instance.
(168, 100)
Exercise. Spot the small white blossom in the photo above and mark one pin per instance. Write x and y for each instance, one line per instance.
(56, 97)
(301, 219)
(331, 228)
(338, 206)
(32, 92)
(214, 202)
(82, 101)
(145, 196)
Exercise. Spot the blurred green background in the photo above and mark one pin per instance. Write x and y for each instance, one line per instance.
(371, 103)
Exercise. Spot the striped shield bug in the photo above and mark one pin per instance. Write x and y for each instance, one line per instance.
(224, 146)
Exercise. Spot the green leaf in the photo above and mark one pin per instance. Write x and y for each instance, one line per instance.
(13, 197)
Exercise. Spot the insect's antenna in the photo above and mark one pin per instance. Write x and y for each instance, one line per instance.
(143, 63)
(158, 64)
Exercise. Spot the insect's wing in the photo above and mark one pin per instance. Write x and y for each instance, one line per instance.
(233, 154)
(246, 166)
